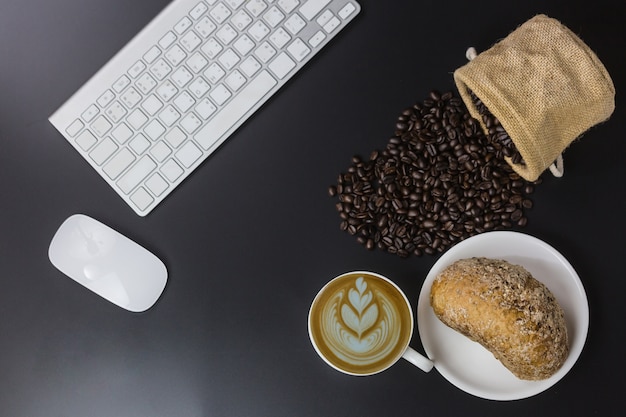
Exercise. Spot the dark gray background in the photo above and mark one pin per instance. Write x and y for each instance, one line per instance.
(252, 235)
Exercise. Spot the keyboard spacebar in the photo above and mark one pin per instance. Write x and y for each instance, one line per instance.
(235, 110)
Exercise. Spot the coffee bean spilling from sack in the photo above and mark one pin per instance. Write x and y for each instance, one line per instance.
(439, 181)
(498, 136)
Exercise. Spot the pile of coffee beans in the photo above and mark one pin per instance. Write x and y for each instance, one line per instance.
(438, 181)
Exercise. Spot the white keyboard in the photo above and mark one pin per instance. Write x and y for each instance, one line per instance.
(181, 86)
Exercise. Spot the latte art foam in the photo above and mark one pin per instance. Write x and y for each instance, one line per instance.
(360, 323)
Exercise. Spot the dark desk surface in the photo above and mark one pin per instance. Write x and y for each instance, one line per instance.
(252, 235)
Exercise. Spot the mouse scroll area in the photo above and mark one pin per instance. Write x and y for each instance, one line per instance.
(108, 263)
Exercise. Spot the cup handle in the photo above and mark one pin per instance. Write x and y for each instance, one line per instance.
(417, 359)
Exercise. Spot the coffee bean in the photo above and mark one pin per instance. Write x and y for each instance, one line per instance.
(438, 181)
(496, 132)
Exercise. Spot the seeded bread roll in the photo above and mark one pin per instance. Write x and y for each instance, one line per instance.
(502, 307)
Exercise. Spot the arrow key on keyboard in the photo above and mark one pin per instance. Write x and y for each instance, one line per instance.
(141, 198)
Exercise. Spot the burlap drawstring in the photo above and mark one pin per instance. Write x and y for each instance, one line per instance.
(546, 88)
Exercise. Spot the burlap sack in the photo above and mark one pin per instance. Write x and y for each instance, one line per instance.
(545, 86)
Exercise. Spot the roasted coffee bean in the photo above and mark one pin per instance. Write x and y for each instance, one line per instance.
(438, 181)
(496, 132)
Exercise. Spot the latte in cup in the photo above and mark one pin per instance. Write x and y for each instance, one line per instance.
(360, 323)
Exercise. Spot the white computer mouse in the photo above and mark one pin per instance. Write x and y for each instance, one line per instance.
(108, 263)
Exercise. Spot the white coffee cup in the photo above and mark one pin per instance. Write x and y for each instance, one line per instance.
(361, 323)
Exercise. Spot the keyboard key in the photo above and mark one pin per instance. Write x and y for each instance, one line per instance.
(280, 38)
(141, 198)
(235, 80)
(118, 163)
(121, 84)
(115, 112)
(131, 97)
(188, 154)
(182, 25)
(205, 26)
(332, 24)
(86, 140)
(91, 112)
(182, 76)
(243, 45)
(241, 20)
(235, 3)
(139, 144)
(265, 52)
(288, 5)
(298, 49)
(197, 62)
(295, 24)
(220, 13)
(122, 133)
(136, 174)
(152, 54)
(226, 34)
(154, 129)
(190, 123)
(169, 116)
(214, 73)
(317, 39)
(282, 65)
(167, 40)
(184, 101)
(258, 30)
(324, 17)
(75, 127)
(250, 66)
(156, 184)
(175, 137)
(171, 170)
(273, 16)
(106, 98)
(228, 59)
(256, 7)
(103, 151)
(101, 126)
(205, 108)
(174, 56)
(199, 87)
(190, 41)
(136, 119)
(160, 69)
(146, 83)
(254, 91)
(312, 8)
(220, 94)
(211, 48)
(166, 91)
(347, 10)
(198, 11)
(160, 151)
(152, 105)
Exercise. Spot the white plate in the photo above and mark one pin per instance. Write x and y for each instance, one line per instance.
(467, 364)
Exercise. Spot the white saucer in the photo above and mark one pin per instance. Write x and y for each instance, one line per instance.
(467, 364)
